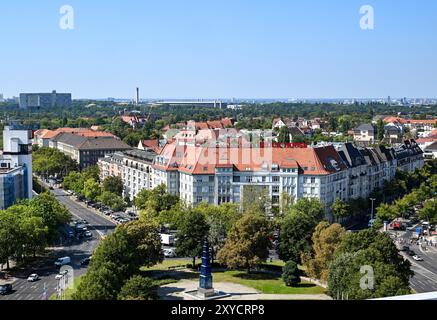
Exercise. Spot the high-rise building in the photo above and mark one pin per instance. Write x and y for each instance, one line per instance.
(15, 166)
(45, 100)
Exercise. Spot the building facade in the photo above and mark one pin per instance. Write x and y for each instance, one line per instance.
(134, 167)
(87, 150)
(45, 100)
(217, 173)
(15, 166)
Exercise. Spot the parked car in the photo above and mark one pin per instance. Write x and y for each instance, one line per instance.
(405, 248)
(417, 258)
(411, 253)
(88, 234)
(85, 261)
(33, 277)
(5, 289)
(169, 253)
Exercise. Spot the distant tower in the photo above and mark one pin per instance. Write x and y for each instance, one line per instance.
(389, 100)
(137, 101)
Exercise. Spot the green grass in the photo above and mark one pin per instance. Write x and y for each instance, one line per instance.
(269, 283)
(266, 282)
(168, 263)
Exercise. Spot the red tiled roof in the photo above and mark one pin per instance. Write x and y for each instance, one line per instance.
(50, 134)
(152, 144)
(409, 121)
(204, 160)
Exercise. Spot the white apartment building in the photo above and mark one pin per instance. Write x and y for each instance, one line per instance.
(219, 173)
(134, 167)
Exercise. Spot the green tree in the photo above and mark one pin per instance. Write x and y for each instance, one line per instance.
(11, 240)
(340, 209)
(91, 189)
(74, 181)
(35, 235)
(118, 257)
(247, 244)
(53, 214)
(220, 220)
(380, 129)
(284, 135)
(291, 274)
(391, 273)
(326, 239)
(92, 172)
(155, 200)
(52, 162)
(138, 288)
(429, 211)
(255, 199)
(114, 201)
(113, 185)
(191, 235)
(297, 228)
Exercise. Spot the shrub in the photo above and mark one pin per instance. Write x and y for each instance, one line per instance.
(291, 274)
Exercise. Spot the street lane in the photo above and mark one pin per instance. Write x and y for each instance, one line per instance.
(99, 227)
(425, 272)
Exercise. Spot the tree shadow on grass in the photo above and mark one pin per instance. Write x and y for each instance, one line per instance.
(170, 275)
(257, 276)
(304, 285)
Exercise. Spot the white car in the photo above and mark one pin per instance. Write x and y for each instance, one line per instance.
(417, 258)
(33, 277)
(88, 234)
(169, 253)
(61, 275)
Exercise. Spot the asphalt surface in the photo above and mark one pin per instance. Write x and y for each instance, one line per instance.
(425, 272)
(80, 249)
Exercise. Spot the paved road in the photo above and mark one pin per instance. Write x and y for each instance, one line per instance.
(98, 225)
(425, 272)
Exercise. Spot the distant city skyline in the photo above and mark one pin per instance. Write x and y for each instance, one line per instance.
(260, 50)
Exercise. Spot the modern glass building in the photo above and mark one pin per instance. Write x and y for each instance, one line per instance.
(12, 186)
(15, 166)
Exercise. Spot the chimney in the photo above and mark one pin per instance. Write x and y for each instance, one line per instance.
(138, 96)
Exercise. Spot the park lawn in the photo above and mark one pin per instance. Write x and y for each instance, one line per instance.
(167, 264)
(266, 282)
(269, 283)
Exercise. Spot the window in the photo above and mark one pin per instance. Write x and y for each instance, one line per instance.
(275, 179)
(275, 189)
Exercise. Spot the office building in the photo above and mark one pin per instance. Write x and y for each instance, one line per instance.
(87, 150)
(45, 100)
(15, 166)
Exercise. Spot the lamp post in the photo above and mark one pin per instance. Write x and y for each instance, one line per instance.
(372, 199)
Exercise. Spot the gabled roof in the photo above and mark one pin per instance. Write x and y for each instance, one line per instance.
(351, 155)
(91, 143)
(365, 127)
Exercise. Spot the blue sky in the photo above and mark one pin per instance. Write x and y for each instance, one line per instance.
(222, 48)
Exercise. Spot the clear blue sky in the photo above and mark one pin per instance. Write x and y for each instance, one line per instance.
(221, 48)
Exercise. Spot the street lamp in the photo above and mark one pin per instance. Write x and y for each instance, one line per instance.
(372, 199)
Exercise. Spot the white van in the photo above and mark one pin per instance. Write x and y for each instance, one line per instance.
(63, 261)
